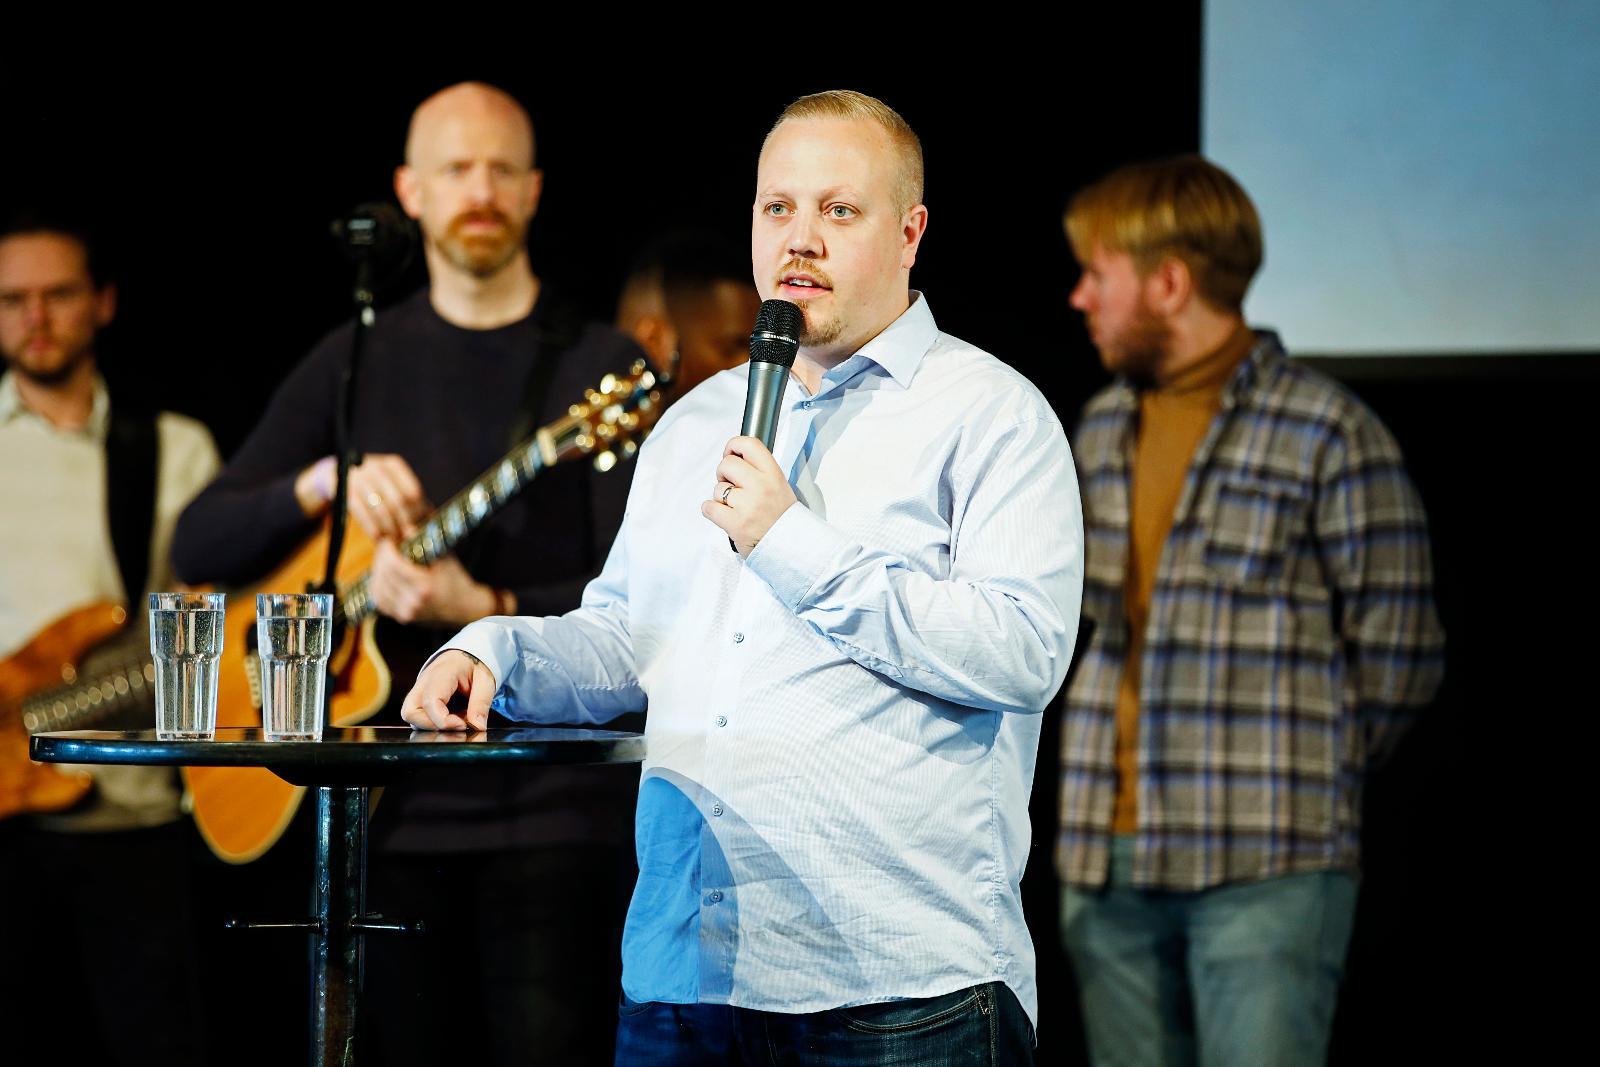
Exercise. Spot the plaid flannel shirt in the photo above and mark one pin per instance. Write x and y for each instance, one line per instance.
(1292, 633)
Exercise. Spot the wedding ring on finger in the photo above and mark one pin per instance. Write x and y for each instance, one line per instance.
(374, 500)
(725, 491)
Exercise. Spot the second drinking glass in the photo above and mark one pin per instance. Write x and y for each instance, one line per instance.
(293, 635)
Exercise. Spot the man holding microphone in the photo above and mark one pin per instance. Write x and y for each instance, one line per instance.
(844, 711)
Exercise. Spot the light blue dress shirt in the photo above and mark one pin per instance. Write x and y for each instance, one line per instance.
(842, 729)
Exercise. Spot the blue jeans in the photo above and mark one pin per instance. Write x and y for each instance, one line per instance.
(1237, 975)
(979, 1025)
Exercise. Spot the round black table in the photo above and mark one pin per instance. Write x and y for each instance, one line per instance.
(342, 768)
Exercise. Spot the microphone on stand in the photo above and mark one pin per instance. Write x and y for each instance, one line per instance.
(773, 345)
(380, 240)
(377, 228)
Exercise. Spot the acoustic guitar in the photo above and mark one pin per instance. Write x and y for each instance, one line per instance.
(47, 685)
(242, 811)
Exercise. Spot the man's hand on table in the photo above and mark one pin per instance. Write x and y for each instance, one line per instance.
(427, 706)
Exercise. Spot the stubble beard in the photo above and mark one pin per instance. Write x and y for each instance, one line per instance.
(1138, 352)
(53, 375)
(816, 332)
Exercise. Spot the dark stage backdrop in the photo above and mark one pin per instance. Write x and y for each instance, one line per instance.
(218, 178)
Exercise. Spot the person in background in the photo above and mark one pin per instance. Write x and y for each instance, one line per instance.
(689, 303)
(1259, 577)
(97, 953)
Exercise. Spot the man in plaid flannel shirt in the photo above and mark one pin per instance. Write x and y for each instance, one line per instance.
(1259, 577)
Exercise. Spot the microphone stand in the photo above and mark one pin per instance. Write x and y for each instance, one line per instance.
(340, 899)
(344, 412)
(369, 232)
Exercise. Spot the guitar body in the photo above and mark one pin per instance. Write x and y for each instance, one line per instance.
(242, 811)
(50, 660)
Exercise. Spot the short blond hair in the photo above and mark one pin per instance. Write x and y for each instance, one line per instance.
(848, 104)
(1185, 207)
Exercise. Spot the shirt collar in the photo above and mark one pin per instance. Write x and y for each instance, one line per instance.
(1266, 351)
(899, 348)
(10, 402)
(12, 407)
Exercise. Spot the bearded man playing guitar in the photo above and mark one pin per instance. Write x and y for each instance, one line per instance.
(97, 938)
(450, 378)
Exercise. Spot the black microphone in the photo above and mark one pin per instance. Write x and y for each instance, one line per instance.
(375, 229)
(773, 344)
(380, 240)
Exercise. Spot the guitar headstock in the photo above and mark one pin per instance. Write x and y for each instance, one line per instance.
(609, 422)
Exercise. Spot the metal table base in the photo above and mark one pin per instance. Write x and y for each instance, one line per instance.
(341, 770)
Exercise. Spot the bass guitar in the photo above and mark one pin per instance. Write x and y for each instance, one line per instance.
(48, 684)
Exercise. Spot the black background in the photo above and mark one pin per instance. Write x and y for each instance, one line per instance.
(217, 168)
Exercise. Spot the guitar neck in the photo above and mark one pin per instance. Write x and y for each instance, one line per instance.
(459, 517)
(121, 688)
(607, 421)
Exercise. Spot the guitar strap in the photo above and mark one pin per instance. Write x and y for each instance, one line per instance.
(555, 329)
(131, 455)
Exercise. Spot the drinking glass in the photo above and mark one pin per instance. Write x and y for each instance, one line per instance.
(186, 643)
(293, 634)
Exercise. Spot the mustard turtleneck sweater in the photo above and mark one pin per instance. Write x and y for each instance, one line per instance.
(1173, 418)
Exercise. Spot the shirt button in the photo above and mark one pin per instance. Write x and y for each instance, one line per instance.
(715, 896)
(738, 638)
(716, 809)
(805, 405)
(722, 720)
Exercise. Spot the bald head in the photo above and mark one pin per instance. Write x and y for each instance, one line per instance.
(440, 117)
(469, 179)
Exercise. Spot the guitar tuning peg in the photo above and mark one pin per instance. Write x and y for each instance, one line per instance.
(629, 449)
(604, 461)
(608, 384)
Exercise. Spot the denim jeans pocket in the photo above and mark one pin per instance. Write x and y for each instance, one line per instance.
(626, 1008)
(909, 1016)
